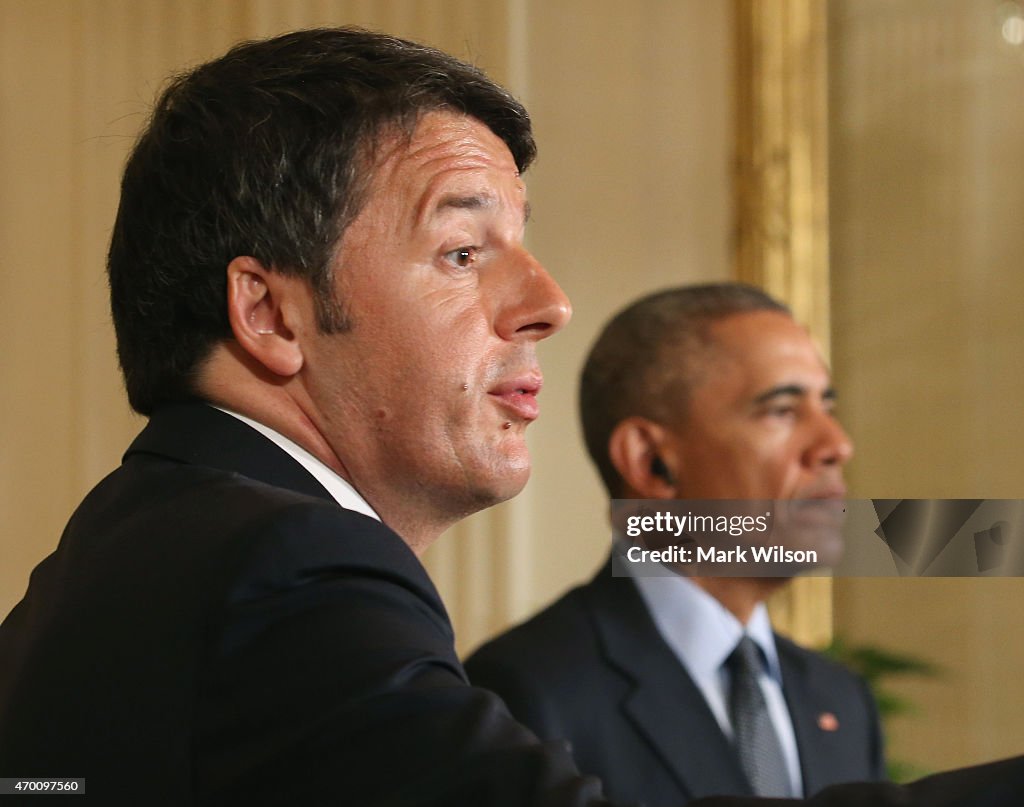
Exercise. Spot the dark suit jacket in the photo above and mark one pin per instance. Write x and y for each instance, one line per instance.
(593, 668)
(214, 630)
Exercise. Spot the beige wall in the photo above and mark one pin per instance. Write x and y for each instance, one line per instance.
(927, 197)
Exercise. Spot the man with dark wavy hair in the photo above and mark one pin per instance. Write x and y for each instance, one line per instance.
(324, 305)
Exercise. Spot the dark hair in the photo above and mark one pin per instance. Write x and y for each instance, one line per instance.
(266, 152)
(643, 361)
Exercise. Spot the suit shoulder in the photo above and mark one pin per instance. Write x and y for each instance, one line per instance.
(825, 672)
(231, 511)
(154, 522)
(552, 628)
(278, 540)
(540, 656)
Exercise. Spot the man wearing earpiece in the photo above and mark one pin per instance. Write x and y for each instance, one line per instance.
(674, 688)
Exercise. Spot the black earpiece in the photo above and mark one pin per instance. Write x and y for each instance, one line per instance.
(658, 468)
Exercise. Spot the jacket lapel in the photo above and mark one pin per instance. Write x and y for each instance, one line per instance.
(809, 705)
(664, 705)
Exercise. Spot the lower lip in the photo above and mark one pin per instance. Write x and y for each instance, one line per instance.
(521, 404)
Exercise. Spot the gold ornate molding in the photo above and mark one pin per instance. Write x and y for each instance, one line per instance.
(781, 197)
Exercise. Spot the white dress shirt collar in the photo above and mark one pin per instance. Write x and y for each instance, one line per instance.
(340, 489)
(700, 629)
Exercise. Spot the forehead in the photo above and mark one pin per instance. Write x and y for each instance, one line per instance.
(753, 351)
(445, 152)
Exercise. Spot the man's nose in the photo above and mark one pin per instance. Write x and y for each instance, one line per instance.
(832, 445)
(536, 306)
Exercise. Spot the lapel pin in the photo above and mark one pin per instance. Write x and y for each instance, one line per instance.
(828, 722)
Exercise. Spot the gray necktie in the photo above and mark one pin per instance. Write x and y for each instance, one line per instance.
(756, 741)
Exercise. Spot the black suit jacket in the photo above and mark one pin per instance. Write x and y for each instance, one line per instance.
(214, 630)
(593, 668)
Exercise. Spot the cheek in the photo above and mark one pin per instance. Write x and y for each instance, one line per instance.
(441, 380)
(461, 351)
(411, 346)
(781, 473)
(448, 324)
(428, 343)
(757, 468)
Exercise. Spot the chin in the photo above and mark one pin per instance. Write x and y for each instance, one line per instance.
(503, 484)
(512, 483)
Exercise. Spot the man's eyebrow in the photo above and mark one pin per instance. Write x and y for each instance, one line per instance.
(795, 390)
(481, 201)
(476, 201)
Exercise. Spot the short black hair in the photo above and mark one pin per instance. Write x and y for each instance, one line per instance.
(642, 362)
(267, 151)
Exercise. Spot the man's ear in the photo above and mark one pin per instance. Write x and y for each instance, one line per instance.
(640, 450)
(260, 310)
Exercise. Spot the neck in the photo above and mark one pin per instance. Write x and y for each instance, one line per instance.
(230, 379)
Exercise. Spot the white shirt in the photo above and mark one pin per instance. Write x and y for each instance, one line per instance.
(340, 489)
(703, 633)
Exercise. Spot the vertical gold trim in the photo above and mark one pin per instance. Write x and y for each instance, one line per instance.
(781, 187)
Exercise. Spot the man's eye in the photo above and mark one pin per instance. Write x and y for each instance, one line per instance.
(463, 257)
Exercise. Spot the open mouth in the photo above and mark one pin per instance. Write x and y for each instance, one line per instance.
(519, 397)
